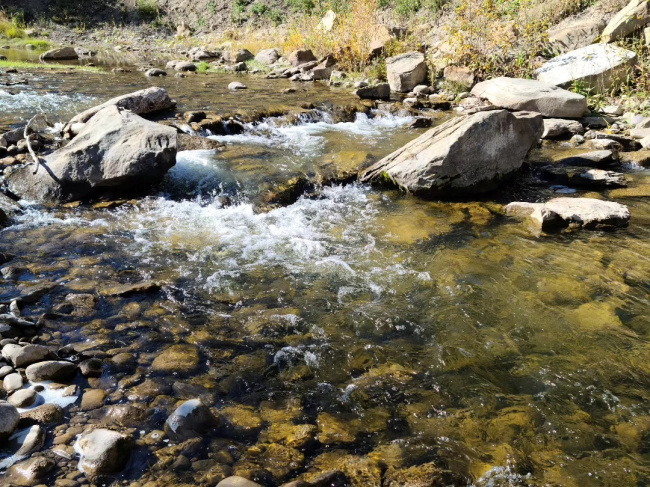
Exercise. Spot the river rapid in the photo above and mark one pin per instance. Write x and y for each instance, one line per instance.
(401, 334)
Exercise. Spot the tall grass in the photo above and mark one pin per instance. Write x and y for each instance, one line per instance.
(9, 28)
(349, 40)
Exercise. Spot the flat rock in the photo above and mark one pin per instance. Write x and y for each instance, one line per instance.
(597, 66)
(236, 85)
(465, 155)
(558, 128)
(406, 71)
(592, 178)
(530, 95)
(638, 158)
(599, 158)
(93, 399)
(561, 213)
(51, 370)
(575, 34)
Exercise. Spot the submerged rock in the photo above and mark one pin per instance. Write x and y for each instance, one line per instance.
(116, 150)
(181, 358)
(103, 452)
(530, 95)
(561, 213)
(189, 420)
(465, 155)
(30, 472)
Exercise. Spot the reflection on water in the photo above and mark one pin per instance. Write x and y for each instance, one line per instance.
(408, 331)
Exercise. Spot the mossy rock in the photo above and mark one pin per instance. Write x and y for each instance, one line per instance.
(239, 422)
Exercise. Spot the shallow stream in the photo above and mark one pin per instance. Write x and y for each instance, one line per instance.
(407, 331)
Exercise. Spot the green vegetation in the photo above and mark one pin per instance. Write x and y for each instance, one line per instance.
(202, 67)
(47, 66)
(147, 9)
(238, 14)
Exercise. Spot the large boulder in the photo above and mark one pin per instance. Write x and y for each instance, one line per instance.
(634, 16)
(116, 150)
(22, 356)
(301, 56)
(465, 155)
(406, 71)
(61, 54)
(598, 66)
(103, 451)
(530, 95)
(238, 56)
(267, 56)
(30, 472)
(140, 102)
(561, 213)
(575, 34)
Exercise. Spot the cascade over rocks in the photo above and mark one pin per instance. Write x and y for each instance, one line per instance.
(115, 150)
(463, 156)
(530, 95)
(598, 66)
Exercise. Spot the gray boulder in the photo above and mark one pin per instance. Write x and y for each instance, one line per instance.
(557, 128)
(463, 156)
(184, 66)
(597, 66)
(56, 370)
(115, 150)
(633, 17)
(149, 100)
(239, 56)
(377, 92)
(189, 420)
(530, 95)
(267, 56)
(406, 71)
(61, 54)
(9, 418)
(22, 356)
(12, 382)
(575, 34)
(154, 72)
(561, 213)
(103, 451)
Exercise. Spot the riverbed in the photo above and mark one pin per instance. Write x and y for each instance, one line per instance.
(405, 332)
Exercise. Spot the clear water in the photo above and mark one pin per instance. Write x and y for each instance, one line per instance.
(442, 328)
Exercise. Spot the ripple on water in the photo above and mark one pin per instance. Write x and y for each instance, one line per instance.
(27, 102)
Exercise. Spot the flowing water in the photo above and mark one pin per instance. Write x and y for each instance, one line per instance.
(408, 331)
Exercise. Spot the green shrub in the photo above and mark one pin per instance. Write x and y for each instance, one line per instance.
(238, 14)
(276, 16)
(304, 6)
(259, 9)
(406, 8)
(147, 9)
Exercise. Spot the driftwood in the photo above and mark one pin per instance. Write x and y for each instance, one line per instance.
(37, 120)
